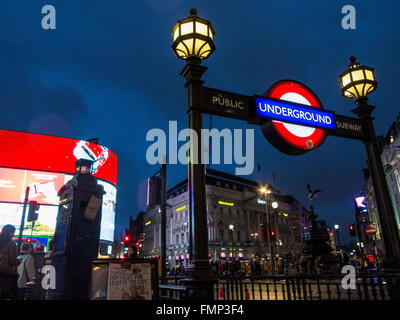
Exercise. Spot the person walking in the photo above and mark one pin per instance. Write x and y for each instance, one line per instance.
(8, 263)
(248, 269)
(266, 267)
(236, 267)
(318, 265)
(343, 259)
(26, 270)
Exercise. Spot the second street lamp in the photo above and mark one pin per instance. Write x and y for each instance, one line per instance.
(266, 191)
(357, 82)
(193, 42)
(231, 228)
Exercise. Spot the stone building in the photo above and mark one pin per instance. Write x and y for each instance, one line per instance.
(236, 215)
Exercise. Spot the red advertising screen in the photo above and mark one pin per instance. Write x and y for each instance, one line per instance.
(47, 153)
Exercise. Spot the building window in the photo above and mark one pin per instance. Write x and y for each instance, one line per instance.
(238, 236)
(182, 238)
(221, 235)
(177, 239)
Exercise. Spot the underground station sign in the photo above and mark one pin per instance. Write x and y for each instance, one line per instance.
(290, 116)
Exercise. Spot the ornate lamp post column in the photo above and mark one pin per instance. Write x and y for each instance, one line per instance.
(193, 42)
(265, 191)
(357, 82)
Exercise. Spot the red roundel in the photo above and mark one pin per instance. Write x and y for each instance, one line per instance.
(291, 138)
(370, 230)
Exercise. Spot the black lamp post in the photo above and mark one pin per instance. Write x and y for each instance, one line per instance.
(231, 228)
(357, 82)
(266, 191)
(193, 42)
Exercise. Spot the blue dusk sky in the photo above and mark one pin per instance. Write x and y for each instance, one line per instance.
(108, 71)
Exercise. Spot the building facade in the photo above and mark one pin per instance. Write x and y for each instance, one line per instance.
(236, 216)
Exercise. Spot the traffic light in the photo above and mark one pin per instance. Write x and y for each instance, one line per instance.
(33, 211)
(352, 230)
(126, 239)
(272, 235)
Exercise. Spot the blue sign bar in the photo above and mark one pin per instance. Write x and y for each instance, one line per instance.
(291, 112)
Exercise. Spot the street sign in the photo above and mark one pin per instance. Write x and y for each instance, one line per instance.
(294, 113)
(224, 103)
(370, 230)
(294, 138)
(290, 115)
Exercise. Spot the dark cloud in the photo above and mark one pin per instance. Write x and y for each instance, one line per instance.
(108, 71)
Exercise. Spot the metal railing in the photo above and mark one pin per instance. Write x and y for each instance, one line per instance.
(310, 287)
(293, 287)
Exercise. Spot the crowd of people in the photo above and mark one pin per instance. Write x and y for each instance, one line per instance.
(288, 264)
(258, 266)
(20, 275)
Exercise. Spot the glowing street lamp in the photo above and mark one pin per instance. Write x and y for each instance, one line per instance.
(266, 192)
(193, 41)
(357, 81)
(193, 37)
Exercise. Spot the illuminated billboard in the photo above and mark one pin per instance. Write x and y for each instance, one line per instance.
(45, 164)
(47, 153)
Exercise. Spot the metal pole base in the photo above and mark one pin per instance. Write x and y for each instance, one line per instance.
(199, 280)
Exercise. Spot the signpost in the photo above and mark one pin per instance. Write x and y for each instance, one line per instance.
(290, 115)
(226, 104)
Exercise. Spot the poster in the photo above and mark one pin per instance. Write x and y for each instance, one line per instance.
(129, 284)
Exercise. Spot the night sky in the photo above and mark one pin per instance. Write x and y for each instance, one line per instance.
(108, 71)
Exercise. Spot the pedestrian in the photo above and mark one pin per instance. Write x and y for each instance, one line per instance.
(257, 266)
(266, 267)
(236, 267)
(318, 265)
(8, 263)
(26, 270)
(40, 261)
(343, 259)
(280, 266)
(243, 268)
(220, 268)
(304, 263)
